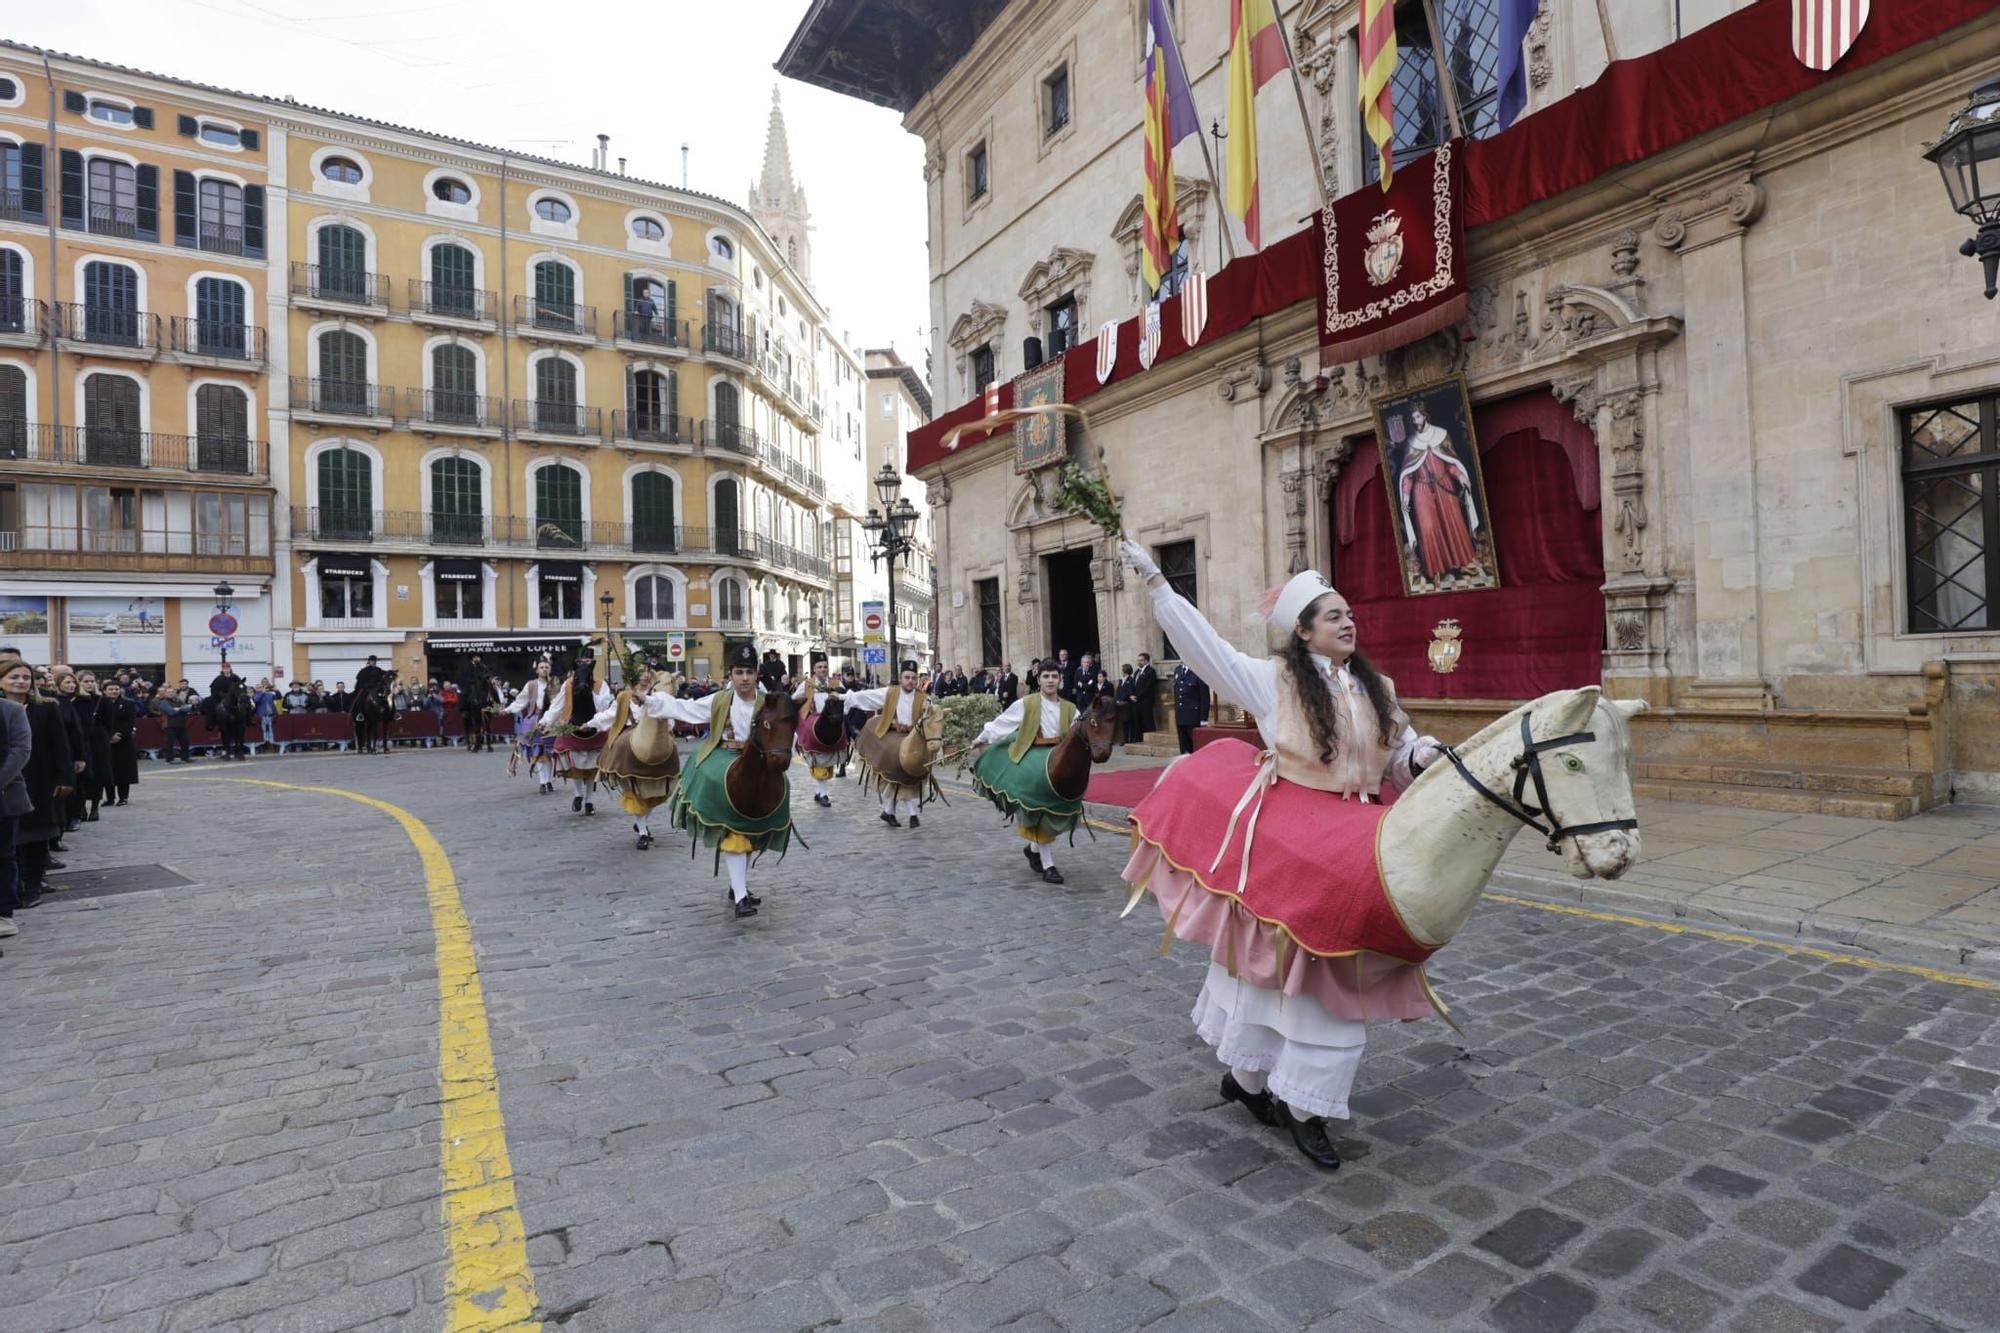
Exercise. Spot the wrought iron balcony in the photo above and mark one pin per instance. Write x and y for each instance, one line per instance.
(22, 319)
(219, 238)
(459, 529)
(112, 220)
(733, 436)
(13, 205)
(445, 300)
(341, 397)
(655, 428)
(109, 326)
(556, 318)
(723, 340)
(340, 285)
(653, 330)
(207, 337)
(452, 407)
(554, 417)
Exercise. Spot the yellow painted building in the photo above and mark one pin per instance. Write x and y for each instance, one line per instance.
(134, 470)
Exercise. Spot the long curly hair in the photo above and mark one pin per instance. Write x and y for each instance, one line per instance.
(1317, 700)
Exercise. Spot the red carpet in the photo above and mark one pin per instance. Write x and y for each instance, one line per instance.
(1125, 786)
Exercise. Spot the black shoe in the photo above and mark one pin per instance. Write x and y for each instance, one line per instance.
(915, 821)
(575, 804)
(750, 898)
(1260, 1104)
(30, 898)
(1051, 875)
(72, 826)
(120, 801)
(589, 809)
(1034, 859)
(825, 802)
(891, 820)
(745, 908)
(54, 864)
(645, 841)
(1310, 1136)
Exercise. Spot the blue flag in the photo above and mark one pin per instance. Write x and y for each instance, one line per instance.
(1515, 16)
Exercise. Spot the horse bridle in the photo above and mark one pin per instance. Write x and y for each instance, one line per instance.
(1527, 767)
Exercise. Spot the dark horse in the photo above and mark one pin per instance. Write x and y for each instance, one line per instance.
(756, 777)
(1088, 741)
(374, 713)
(228, 715)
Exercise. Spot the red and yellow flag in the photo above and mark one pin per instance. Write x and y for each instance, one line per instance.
(1160, 227)
(1256, 54)
(1378, 66)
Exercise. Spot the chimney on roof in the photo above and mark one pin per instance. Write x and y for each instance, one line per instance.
(684, 166)
(621, 166)
(603, 152)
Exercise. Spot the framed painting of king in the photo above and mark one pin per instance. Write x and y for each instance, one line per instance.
(1437, 490)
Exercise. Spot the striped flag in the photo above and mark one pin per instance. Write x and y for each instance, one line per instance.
(1824, 30)
(1256, 54)
(1194, 306)
(1169, 118)
(1378, 66)
(1107, 349)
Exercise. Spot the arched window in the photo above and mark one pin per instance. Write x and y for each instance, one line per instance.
(346, 494)
(454, 286)
(222, 428)
(13, 412)
(653, 512)
(455, 383)
(648, 229)
(111, 421)
(451, 190)
(111, 303)
(220, 327)
(729, 600)
(344, 170)
(558, 506)
(343, 263)
(343, 373)
(653, 400)
(13, 284)
(791, 611)
(653, 598)
(652, 310)
(457, 513)
(727, 518)
(555, 395)
(555, 294)
(552, 210)
(722, 248)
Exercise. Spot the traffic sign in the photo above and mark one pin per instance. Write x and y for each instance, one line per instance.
(676, 647)
(872, 621)
(874, 655)
(222, 625)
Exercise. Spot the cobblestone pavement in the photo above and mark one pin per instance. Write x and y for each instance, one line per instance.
(923, 1091)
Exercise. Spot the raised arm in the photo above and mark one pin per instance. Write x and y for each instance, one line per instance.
(1005, 726)
(694, 712)
(1251, 681)
(868, 701)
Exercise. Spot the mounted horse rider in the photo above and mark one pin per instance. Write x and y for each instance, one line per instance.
(820, 705)
(640, 759)
(1015, 765)
(228, 709)
(371, 703)
(904, 788)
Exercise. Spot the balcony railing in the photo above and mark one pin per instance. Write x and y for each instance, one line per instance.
(561, 317)
(109, 326)
(220, 238)
(12, 205)
(653, 330)
(734, 343)
(341, 397)
(206, 337)
(733, 436)
(22, 316)
(459, 529)
(452, 407)
(49, 544)
(348, 286)
(551, 417)
(561, 534)
(655, 428)
(111, 220)
(450, 301)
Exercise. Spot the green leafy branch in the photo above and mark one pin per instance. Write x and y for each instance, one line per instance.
(1089, 494)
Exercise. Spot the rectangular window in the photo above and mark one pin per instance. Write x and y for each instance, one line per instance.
(992, 646)
(114, 198)
(560, 599)
(1055, 101)
(221, 217)
(975, 173)
(1061, 326)
(982, 367)
(1469, 36)
(346, 597)
(1177, 566)
(460, 599)
(1951, 515)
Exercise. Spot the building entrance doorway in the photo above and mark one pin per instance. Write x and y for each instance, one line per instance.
(1072, 602)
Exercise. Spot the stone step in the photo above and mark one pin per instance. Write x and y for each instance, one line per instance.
(1831, 778)
(1149, 750)
(1791, 800)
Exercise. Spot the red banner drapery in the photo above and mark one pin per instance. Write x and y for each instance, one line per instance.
(1393, 261)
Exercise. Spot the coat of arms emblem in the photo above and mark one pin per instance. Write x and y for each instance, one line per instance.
(1445, 648)
(1383, 259)
(1149, 336)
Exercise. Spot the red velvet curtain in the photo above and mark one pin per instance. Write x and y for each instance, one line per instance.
(1544, 628)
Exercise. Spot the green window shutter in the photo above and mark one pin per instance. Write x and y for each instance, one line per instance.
(184, 209)
(31, 183)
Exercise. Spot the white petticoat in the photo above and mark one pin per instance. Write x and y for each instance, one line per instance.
(1310, 1056)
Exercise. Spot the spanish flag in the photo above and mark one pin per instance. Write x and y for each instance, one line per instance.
(1256, 54)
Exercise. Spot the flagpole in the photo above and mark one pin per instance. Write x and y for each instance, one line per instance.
(1208, 158)
(1305, 117)
(1444, 80)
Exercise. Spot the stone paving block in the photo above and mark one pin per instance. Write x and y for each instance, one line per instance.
(1529, 1237)
(1670, 1301)
(1550, 1303)
(1122, 1303)
(1034, 1284)
(1852, 1277)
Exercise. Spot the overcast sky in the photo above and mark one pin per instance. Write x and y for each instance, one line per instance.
(547, 76)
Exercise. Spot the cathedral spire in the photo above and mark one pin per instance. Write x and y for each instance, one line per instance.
(776, 200)
(775, 188)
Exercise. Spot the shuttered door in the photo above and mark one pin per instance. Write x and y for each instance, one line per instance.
(555, 296)
(13, 294)
(455, 384)
(111, 421)
(453, 291)
(343, 372)
(13, 412)
(653, 512)
(219, 318)
(455, 502)
(558, 506)
(111, 303)
(343, 264)
(222, 429)
(555, 395)
(346, 494)
(726, 519)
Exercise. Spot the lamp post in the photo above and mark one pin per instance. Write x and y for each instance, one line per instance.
(611, 663)
(223, 592)
(893, 529)
(1968, 156)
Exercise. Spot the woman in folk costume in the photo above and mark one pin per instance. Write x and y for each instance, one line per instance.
(1010, 767)
(577, 744)
(901, 707)
(816, 695)
(757, 815)
(640, 760)
(530, 741)
(1290, 1029)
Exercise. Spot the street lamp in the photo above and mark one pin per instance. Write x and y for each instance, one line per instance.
(612, 674)
(1968, 156)
(893, 528)
(223, 592)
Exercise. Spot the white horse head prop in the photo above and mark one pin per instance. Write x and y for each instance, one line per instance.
(1561, 765)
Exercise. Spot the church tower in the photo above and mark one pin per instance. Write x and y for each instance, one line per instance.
(776, 200)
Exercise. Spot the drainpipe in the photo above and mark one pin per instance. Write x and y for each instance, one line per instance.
(52, 166)
(506, 393)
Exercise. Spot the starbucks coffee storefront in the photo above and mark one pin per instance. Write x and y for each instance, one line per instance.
(511, 656)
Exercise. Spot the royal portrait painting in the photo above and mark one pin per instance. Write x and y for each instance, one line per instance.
(1437, 495)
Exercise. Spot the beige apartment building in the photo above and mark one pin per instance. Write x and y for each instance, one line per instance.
(1747, 385)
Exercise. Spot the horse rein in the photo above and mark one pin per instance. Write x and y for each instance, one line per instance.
(1527, 767)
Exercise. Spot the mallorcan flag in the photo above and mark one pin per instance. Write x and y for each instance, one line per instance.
(1256, 54)
(1170, 117)
(1378, 67)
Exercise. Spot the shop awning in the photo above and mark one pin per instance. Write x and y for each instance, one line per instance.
(458, 570)
(344, 566)
(562, 571)
(534, 641)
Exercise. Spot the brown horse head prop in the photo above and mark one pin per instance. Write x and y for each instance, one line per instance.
(756, 777)
(829, 729)
(1087, 742)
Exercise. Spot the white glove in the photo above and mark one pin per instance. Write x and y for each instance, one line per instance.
(1135, 556)
(1426, 752)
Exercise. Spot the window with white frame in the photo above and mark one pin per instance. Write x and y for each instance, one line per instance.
(653, 599)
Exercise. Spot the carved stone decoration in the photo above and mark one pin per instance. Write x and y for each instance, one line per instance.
(1191, 198)
(937, 492)
(1540, 68)
(1066, 272)
(933, 163)
(1294, 486)
(1625, 431)
(1732, 206)
(1628, 631)
(1235, 379)
(1625, 254)
(978, 326)
(1429, 358)
(1328, 464)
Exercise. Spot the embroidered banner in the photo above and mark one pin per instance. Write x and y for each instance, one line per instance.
(1394, 261)
(1041, 440)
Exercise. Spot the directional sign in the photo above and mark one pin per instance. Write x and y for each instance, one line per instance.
(874, 655)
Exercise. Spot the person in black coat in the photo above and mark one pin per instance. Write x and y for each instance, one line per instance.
(1190, 705)
(118, 725)
(1145, 697)
(90, 710)
(48, 775)
(1007, 688)
(81, 778)
(475, 692)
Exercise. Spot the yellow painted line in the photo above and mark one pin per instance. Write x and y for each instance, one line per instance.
(490, 1285)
